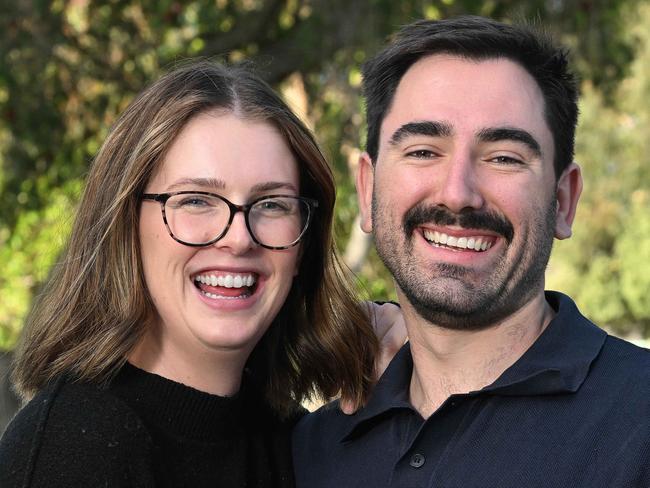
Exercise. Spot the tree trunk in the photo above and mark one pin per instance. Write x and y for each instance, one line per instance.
(358, 246)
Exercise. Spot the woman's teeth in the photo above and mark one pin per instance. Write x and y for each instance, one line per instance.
(231, 286)
(440, 238)
(227, 280)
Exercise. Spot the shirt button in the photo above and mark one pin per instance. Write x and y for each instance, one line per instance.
(417, 460)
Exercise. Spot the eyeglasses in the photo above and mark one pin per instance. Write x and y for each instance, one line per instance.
(198, 218)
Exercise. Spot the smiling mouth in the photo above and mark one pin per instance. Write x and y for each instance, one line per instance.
(476, 243)
(226, 286)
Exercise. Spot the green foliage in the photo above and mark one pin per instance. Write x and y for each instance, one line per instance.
(606, 265)
(26, 256)
(633, 252)
(67, 69)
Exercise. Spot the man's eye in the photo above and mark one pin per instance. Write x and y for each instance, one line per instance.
(421, 154)
(506, 160)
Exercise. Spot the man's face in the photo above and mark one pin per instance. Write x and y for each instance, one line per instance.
(462, 198)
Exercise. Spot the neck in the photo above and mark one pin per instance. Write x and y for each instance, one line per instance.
(204, 369)
(447, 362)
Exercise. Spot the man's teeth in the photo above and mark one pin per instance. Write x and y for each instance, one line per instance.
(476, 243)
(227, 281)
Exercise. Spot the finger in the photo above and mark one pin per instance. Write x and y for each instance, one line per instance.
(347, 407)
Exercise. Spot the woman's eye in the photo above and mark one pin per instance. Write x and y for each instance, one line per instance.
(193, 202)
(272, 206)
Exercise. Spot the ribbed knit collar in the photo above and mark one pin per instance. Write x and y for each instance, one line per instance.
(179, 409)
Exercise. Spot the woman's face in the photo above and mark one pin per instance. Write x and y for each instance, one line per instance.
(240, 160)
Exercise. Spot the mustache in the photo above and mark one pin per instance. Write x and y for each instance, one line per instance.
(479, 220)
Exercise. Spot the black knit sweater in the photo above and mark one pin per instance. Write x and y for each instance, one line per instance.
(145, 431)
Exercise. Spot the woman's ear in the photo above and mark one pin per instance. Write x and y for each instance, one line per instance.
(365, 182)
(569, 187)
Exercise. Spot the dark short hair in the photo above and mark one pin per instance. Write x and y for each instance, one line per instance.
(477, 38)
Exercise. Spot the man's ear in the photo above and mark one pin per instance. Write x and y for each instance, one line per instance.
(365, 182)
(569, 187)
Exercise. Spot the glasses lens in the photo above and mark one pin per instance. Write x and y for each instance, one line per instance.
(196, 219)
(279, 221)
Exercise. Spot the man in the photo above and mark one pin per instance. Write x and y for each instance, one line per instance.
(467, 179)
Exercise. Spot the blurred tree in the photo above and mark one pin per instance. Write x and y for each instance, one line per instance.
(68, 67)
(606, 265)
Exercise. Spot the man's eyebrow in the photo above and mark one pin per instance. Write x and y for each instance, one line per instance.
(510, 134)
(427, 128)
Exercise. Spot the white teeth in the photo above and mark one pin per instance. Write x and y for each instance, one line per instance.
(227, 281)
(476, 243)
(222, 297)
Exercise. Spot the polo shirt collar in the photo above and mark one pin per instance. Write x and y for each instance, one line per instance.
(558, 362)
(390, 393)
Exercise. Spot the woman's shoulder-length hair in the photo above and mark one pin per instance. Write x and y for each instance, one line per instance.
(95, 306)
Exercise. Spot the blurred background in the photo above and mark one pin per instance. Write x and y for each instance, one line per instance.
(69, 67)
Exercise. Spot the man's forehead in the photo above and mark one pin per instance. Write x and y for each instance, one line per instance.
(494, 72)
(467, 94)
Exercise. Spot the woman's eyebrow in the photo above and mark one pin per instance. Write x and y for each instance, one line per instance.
(495, 134)
(273, 185)
(214, 183)
(201, 182)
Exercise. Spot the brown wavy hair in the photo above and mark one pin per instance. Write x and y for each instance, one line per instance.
(95, 306)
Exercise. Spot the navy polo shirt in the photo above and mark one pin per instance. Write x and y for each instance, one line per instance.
(573, 411)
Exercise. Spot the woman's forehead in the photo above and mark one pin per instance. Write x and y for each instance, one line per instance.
(230, 151)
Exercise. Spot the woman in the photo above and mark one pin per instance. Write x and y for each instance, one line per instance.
(198, 301)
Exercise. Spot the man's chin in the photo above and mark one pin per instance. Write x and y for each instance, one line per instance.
(456, 308)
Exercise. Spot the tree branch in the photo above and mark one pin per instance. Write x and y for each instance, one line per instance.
(250, 28)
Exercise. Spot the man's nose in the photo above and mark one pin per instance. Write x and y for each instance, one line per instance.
(459, 185)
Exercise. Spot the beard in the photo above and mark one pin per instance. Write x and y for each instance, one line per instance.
(454, 296)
